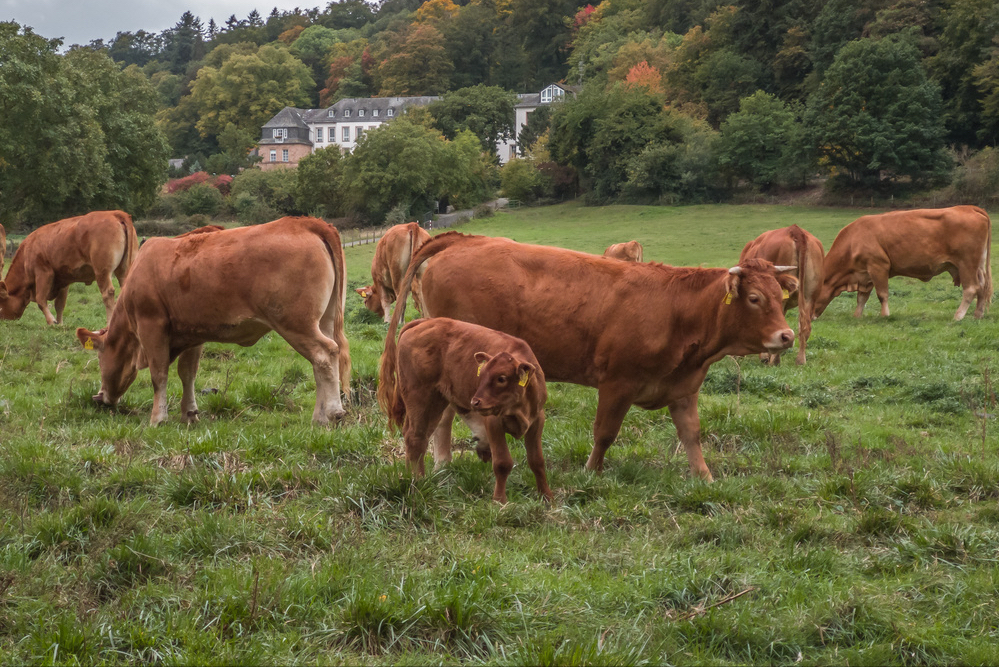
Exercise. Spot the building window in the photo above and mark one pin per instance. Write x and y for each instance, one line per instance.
(346, 113)
(374, 113)
(273, 156)
(358, 131)
(346, 134)
(391, 112)
(284, 155)
(360, 113)
(331, 113)
(319, 135)
(281, 133)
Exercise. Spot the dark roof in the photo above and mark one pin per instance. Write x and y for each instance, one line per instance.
(288, 117)
(368, 104)
(530, 100)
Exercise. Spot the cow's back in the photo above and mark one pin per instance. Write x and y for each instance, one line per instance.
(791, 246)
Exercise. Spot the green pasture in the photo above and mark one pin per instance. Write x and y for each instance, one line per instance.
(854, 520)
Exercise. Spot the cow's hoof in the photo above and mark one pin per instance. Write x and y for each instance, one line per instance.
(333, 419)
(191, 417)
(483, 451)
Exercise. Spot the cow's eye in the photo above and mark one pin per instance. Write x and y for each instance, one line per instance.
(501, 380)
(754, 298)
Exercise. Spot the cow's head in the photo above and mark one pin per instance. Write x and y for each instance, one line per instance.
(12, 305)
(753, 306)
(503, 382)
(372, 299)
(119, 361)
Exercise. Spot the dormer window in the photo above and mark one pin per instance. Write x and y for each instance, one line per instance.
(374, 113)
(360, 113)
(280, 133)
(346, 113)
(550, 93)
(332, 113)
(391, 112)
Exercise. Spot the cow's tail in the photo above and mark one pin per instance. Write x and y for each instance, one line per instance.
(388, 386)
(387, 394)
(338, 300)
(414, 240)
(985, 279)
(131, 245)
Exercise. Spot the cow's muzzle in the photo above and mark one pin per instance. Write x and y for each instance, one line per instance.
(101, 397)
(479, 406)
(781, 340)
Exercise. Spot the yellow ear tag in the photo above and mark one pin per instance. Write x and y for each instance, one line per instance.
(524, 379)
(479, 372)
(728, 298)
(785, 294)
(89, 345)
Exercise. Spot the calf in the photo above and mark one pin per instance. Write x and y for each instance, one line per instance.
(392, 255)
(75, 250)
(491, 379)
(228, 286)
(630, 251)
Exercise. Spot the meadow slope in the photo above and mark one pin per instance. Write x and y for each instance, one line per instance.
(854, 520)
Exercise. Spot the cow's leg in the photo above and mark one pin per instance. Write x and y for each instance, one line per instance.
(442, 438)
(324, 355)
(612, 406)
(106, 287)
(972, 288)
(477, 424)
(688, 428)
(862, 298)
(60, 303)
(881, 287)
(422, 414)
(156, 347)
(804, 331)
(187, 368)
(502, 461)
(536, 458)
(43, 286)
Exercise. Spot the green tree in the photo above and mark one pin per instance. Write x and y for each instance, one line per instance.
(521, 181)
(77, 132)
(468, 39)
(876, 116)
(485, 110)
(236, 147)
(319, 189)
(764, 143)
(724, 78)
(987, 80)
(538, 122)
(184, 43)
(398, 164)
(420, 66)
(247, 90)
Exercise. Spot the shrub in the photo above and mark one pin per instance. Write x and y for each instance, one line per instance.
(977, 178)
(201, 198)
(274, 189)
(186, 183)
(521, 180)
(251, 210)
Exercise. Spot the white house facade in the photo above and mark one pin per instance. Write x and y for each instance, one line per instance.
(526, 105)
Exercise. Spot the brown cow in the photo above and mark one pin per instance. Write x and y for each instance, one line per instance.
(3, 248)
(228, 286)
(489, 378)
(796, 247)
(75, 250)
(921, 244)
(630, 251)
(392, 255)
(642, 334)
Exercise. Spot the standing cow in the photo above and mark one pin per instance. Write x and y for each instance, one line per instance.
(921, 244)
(630, 251)
(489, 378)
(642, 334)
(228, 286)
(392, 255)
(75, 250)
(796, 247)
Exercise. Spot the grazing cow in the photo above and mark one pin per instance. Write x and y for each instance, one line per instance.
(392, 255)
(630, 251)
(792, 246)
(75, 250)
(642, 334)
(921, 244)
(228, 286)
(489, 378)
(3, 248)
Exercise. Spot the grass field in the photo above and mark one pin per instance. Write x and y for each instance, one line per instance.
(854, 520)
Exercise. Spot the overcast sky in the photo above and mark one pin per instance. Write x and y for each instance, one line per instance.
(81, 21)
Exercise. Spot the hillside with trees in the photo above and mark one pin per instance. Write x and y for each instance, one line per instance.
(679, 100)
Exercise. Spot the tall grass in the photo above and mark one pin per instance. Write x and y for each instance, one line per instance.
(854, 518)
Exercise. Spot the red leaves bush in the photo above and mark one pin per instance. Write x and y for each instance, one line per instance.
(220, 183)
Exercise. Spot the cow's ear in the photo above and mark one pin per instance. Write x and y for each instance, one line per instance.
(481, 357)
(732, 280)
(363, 291)
(91, 340)
(524, 373)
(788, 283)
